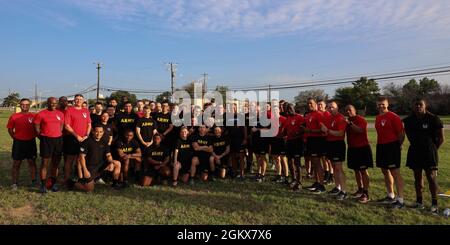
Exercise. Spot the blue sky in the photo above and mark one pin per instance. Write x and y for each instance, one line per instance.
(237, 42)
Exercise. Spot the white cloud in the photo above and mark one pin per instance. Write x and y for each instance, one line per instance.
(266, 18)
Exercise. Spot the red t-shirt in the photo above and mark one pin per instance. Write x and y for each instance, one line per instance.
(281, 122)
(337, 123)
(292, 126)
(78, 119)
(326, 115)
(313, 122)
(388, 127)
(356, 139)
(23, 126)
(50, 123)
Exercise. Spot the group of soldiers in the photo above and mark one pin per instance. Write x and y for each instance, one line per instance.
(149, 143)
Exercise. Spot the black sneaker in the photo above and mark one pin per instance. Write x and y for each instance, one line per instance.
(116, 186)
(418, 205)
(335, 191)
(212, 178)
(319, 190)
(397, 205)
(342, 196)
(386, 200)
(313, 186)
(125, 184)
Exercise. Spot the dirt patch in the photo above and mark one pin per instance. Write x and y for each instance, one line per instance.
(22, 212)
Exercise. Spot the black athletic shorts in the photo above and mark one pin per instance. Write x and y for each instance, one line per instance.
(203, 165)
(277, 146)
(151, 171)
(24, 149)
(224, 162)
(422, 157)
(294, 148)
(359, 158)
(236, 146)
(261, 145)
(186, 164)
(71, 146)
(335, 150)
(315, 146)
(388, 155)
(50, 147)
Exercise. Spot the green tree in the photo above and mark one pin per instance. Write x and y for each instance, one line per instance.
(11, 100)
(163, 97)
(366, 92)
(344, 96)
(119, 94)
(428, 87)
(301, 99)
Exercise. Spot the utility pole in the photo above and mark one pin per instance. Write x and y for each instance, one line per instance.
(98, 80)
(36, 97)
(205, 75)
(270, 96)
(173, 71)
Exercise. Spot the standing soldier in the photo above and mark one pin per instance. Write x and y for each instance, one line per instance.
(49, 124)
(359, 153)
(425, 132)
(390, 137)
(77, 123)
(21, 129)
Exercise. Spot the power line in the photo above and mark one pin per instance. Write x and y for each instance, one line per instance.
(385, 76)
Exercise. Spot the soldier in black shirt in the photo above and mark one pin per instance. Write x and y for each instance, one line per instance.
(146, 128)
(126, 120)
(221, 149)
(425, 133)
(129, 154)
(163, 119)
(95, 157)
(182, 158)
(202, 151)
(157, 157)
(237, 133)
(107, 127)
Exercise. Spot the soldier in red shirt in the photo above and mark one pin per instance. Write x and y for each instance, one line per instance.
(315, 144)
(335, 144)
(48, 125)
(21, 129)
(390, 137)
(278, 148)
(359, 153)
(77, 123)
(326, 163)
(294, 144)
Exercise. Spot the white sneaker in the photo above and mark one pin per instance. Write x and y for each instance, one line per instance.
(100, 181)
(14, 187)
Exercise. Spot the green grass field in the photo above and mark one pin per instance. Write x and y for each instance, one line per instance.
(222, 202)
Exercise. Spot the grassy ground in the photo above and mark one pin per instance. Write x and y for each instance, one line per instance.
(225, 202)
